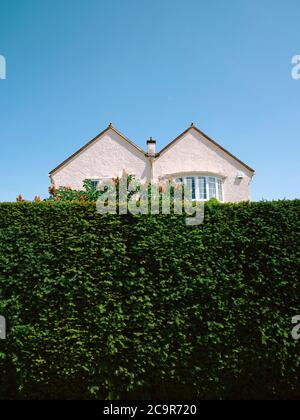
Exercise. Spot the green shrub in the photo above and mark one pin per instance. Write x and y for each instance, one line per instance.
(146, 307)
(89, 193)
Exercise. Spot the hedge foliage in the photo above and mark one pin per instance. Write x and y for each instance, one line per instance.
(106, 307)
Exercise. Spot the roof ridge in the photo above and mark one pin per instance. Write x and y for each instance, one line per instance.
(111, 127)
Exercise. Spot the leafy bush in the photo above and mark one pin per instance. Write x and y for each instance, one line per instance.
(89, 193)
(146, 307)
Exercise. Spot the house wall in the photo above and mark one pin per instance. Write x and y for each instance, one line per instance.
(194, 154)
(105, 158)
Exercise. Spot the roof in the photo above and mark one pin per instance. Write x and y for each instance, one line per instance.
(110, 127)
(193, 127)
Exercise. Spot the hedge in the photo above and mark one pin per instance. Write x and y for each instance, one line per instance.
(144, 307)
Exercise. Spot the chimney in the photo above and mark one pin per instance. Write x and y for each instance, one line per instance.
(151, 147)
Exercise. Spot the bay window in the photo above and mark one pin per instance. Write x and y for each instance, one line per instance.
(204, 187)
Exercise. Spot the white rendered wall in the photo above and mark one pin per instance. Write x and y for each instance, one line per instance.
(194, 154)
(107, 157)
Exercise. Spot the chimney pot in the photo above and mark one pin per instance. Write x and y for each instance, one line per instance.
(151, 147)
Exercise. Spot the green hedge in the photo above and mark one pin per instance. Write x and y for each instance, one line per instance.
(146, 307)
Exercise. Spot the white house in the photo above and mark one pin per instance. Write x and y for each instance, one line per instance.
(192, 158)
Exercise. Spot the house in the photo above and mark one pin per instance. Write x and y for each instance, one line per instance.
(192, 158)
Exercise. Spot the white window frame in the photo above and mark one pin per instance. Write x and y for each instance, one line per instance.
(93, 180)
(207, 182)
(99, 180)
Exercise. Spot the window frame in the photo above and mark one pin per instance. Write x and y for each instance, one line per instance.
(218, 186)
(95, 180)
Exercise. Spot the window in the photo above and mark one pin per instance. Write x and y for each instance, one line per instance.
(204, 187)
(95, 182)
(220, 189)
(190, 182)
(212, 187)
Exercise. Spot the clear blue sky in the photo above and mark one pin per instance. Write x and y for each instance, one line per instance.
(151, 67)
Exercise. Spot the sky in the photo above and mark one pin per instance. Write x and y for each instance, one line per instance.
(151, 67)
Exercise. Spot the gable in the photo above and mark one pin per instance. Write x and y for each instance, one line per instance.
(106, 156)
(193, 152)
(195, 133)
(114, 142)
